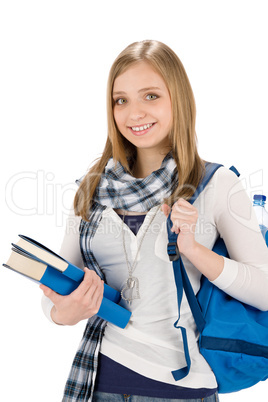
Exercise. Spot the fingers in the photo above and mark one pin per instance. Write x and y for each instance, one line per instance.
(94, 297)
(82, 303)
(95, 288)
(90, 283)
(89, 293)
(184, 217)
(90, 289)
(166, 210)
(183, 206)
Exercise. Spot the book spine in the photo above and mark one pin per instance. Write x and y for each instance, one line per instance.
(59, 283)
(111, 294)
(114, 313)
(74, 273)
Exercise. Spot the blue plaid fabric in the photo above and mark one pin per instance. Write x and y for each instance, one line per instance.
(117, 189)
(79, 386)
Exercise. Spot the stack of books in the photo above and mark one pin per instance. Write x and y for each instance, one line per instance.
(35, 261)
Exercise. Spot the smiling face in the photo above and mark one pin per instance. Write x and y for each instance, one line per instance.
(142, 107)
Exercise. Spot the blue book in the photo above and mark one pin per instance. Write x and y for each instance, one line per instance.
(37, 262)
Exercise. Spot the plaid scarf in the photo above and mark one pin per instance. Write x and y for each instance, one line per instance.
(117, 189)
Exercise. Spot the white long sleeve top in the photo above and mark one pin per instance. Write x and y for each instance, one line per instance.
(150, 345)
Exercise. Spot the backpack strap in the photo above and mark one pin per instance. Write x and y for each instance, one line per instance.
(181, 278)
(172, 248)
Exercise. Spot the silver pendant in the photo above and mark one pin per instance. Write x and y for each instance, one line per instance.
(131, 289)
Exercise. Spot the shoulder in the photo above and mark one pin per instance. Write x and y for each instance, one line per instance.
(225, 177)
(229, 193)
(226, 188)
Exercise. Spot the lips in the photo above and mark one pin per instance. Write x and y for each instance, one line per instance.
(139, 130)
(142, 128)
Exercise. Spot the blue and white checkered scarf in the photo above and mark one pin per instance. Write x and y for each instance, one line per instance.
(117, 189)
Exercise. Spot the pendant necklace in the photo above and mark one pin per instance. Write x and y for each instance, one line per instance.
(131, 290)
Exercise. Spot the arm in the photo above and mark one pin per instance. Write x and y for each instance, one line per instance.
(184, 218)
(245, 274)
(85, 301)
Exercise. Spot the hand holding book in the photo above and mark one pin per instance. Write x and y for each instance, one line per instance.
(82, 303)
(42, 265)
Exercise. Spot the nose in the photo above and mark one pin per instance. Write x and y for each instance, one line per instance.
(137, 112)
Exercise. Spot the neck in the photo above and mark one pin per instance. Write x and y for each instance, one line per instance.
(147, 162)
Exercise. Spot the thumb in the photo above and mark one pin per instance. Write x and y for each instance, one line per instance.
(53, 296)
(166, 209)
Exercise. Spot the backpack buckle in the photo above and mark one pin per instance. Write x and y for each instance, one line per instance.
(173, 251)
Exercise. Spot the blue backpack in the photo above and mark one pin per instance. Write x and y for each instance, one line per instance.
(233, 335)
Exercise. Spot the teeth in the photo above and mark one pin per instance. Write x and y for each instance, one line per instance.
(141, 128)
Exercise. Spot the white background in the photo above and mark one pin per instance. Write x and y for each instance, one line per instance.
(55, 58)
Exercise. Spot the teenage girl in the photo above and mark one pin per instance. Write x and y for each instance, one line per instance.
(149, 167)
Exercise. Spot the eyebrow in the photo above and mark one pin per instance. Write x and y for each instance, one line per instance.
(141, 90)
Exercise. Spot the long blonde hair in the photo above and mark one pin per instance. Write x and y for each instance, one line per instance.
(182, 136)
